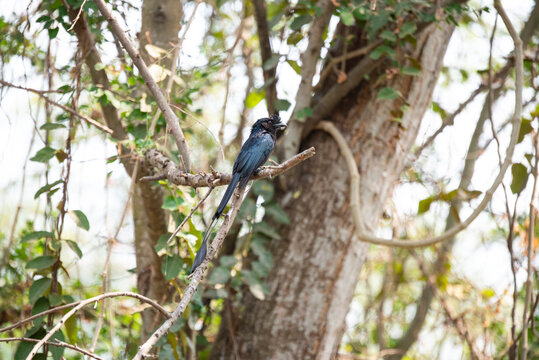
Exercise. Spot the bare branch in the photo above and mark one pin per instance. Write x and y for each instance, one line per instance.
(170, 117)
(63, 107)
(56, 342)
(178, 177)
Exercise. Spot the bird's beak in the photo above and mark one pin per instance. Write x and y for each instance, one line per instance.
(280, 126)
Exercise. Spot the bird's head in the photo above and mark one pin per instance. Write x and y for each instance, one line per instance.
(270, 124)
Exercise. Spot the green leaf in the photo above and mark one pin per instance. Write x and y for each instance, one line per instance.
(294, 38)
(525, 128)
(162, 242)
(282, 105)
(52, 126)
(305, 113)
(41, 262)
(388, 93)
(520, 177)
(410, 70)
(57, 351)
(80, 219)
(23, 349)
(38, 288)
(407, 29)
(254, 98)
(53, 32)
(257, 290)
(264, 189)
(46, 188)
(42, 304)
(388, 35)
(172, 203)
(36, 235)
(381, 50)
(247, 209)
(219, 275)
(99, 66)
(43, 155)
(265, 229)
(171, 266)
(271, 62)
(487, 293)
(131, 81)
(347, 18)
(424, 205)
(75, 247)
(277, 213)
(299, 21)
(264, 255)
(294, 65)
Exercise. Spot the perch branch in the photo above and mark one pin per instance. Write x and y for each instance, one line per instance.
(167, 168)
(170, 117)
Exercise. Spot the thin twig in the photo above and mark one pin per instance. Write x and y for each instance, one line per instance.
(457, 321)
(83, 303)
(170, 117)
(56, 342)
(106, 267)
(531, 237)
(63, 107)
(78, 16)
(189, 216)
(9, 245)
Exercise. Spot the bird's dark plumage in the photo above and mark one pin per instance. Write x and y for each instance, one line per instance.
(253, 154)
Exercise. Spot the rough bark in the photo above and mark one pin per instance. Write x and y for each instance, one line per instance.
(318, 260)
(160, 26)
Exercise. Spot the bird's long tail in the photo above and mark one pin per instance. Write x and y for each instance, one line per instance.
(201, 254)
(228, 194)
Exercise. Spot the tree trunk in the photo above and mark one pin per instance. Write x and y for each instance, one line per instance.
(160, 27)
(318, 260)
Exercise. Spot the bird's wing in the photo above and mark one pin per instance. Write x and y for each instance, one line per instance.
(254, 153)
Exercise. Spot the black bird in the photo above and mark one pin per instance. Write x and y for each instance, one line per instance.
(253, 154)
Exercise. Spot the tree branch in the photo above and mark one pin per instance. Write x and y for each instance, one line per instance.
(170, 117)
(178, 177)
(63, 107)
